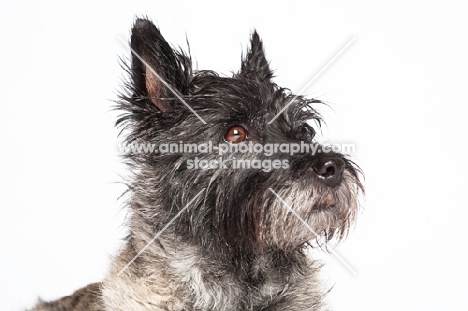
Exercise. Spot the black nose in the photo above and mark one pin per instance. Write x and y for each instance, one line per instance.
(329, 171)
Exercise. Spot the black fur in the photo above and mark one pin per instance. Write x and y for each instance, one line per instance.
(233, 208)
(238, 230)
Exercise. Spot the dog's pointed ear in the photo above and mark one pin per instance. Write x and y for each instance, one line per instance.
(255, 62)
(157, 70)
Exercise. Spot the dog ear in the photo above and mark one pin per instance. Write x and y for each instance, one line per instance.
(255, 62)
(158, 72)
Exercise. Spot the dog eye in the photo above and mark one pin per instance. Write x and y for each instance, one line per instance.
(305, 132)
(235, 134)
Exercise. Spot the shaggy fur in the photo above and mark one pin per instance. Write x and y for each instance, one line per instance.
(236, 246)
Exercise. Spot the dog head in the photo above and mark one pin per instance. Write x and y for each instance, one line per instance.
(251, 201)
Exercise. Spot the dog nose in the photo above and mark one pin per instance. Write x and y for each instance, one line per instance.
(329, 171)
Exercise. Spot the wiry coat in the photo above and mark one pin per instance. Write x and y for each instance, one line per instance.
(236, 246)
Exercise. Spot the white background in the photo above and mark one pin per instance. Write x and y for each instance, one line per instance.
(399, 93)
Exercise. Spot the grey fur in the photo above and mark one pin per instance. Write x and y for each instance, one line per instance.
(236, 247)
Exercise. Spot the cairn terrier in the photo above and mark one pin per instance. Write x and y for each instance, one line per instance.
(221, 224)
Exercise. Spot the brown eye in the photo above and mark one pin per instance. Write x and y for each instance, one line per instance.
(235, 135)
(305, 132)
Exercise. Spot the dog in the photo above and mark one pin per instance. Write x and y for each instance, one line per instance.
(219, 230)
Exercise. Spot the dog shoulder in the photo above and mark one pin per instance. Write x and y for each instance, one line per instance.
(84, 299)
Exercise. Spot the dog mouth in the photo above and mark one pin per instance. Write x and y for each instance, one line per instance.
(322, 208)
(324, 204)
